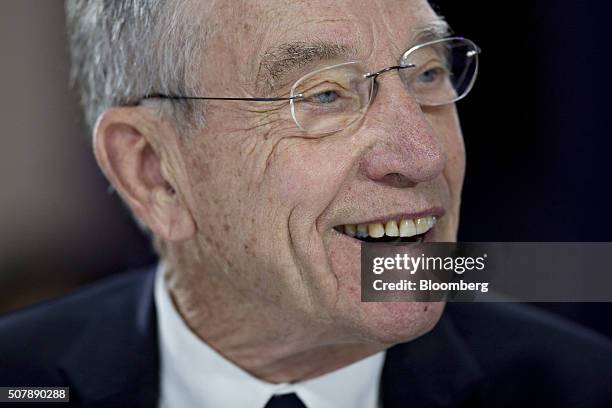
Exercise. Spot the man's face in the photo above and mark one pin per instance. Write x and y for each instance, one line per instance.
(268, 199)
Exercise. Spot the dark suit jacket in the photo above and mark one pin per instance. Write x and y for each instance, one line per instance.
(102, 343)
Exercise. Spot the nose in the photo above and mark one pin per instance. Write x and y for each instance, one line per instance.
(405, 149)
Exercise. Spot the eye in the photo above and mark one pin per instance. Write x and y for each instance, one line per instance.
(431, 75)
(325, 97)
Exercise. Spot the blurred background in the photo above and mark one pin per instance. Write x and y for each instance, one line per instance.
(537, 129)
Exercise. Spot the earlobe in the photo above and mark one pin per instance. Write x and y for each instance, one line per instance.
(124, 148)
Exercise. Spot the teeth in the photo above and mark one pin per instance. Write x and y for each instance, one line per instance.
(391, 229)
(403, 228)
(376, 230)
(431, 221)
(421, 225)
(362, 231)
(407, 228)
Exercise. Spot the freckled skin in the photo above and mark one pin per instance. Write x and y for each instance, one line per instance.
(265, 280)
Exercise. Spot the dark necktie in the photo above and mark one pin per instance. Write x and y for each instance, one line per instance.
(285, 401)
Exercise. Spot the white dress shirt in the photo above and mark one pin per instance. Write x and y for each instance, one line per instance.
(192, 374)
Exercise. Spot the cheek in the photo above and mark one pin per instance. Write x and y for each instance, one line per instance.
(216, 197)
(307, 173)
(456, 153)
(445, 122)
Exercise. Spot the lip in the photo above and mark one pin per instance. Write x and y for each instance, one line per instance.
(437, 212)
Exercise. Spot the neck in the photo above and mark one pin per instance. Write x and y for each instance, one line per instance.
(262, 339)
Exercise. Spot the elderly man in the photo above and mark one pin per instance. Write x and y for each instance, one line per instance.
(260, 142)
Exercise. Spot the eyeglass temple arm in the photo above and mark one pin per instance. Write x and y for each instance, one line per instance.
(299, 96)
(180, 97)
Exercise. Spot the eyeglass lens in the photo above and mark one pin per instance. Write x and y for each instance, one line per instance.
(335, 97)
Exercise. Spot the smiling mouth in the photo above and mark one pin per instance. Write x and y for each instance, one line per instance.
(404, 230)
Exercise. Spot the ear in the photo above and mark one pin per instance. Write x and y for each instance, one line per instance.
(124, 140)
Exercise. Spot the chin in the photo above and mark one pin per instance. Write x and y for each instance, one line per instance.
(391, 323)
(386, 323)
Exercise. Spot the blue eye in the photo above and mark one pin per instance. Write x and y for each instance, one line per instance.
(431, 75)
(326, 97)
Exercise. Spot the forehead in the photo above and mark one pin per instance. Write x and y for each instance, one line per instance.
(247, 34)
(365, 24)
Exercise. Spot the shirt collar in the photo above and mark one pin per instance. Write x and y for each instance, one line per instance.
(194, 374)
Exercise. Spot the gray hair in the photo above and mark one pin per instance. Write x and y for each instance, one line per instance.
(123, 50)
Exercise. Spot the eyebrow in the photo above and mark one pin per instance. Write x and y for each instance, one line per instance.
(277, 62)
(433, 30)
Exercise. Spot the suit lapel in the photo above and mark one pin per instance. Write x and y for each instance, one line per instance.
(115, 360)
(435, 370)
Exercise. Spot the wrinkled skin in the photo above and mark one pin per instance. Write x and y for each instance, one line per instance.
(255, 267)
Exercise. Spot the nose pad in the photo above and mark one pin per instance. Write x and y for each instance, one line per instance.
(398, 91)
(375, 76)
(375, 86)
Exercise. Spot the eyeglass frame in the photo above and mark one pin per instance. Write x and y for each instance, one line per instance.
(368, 75)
